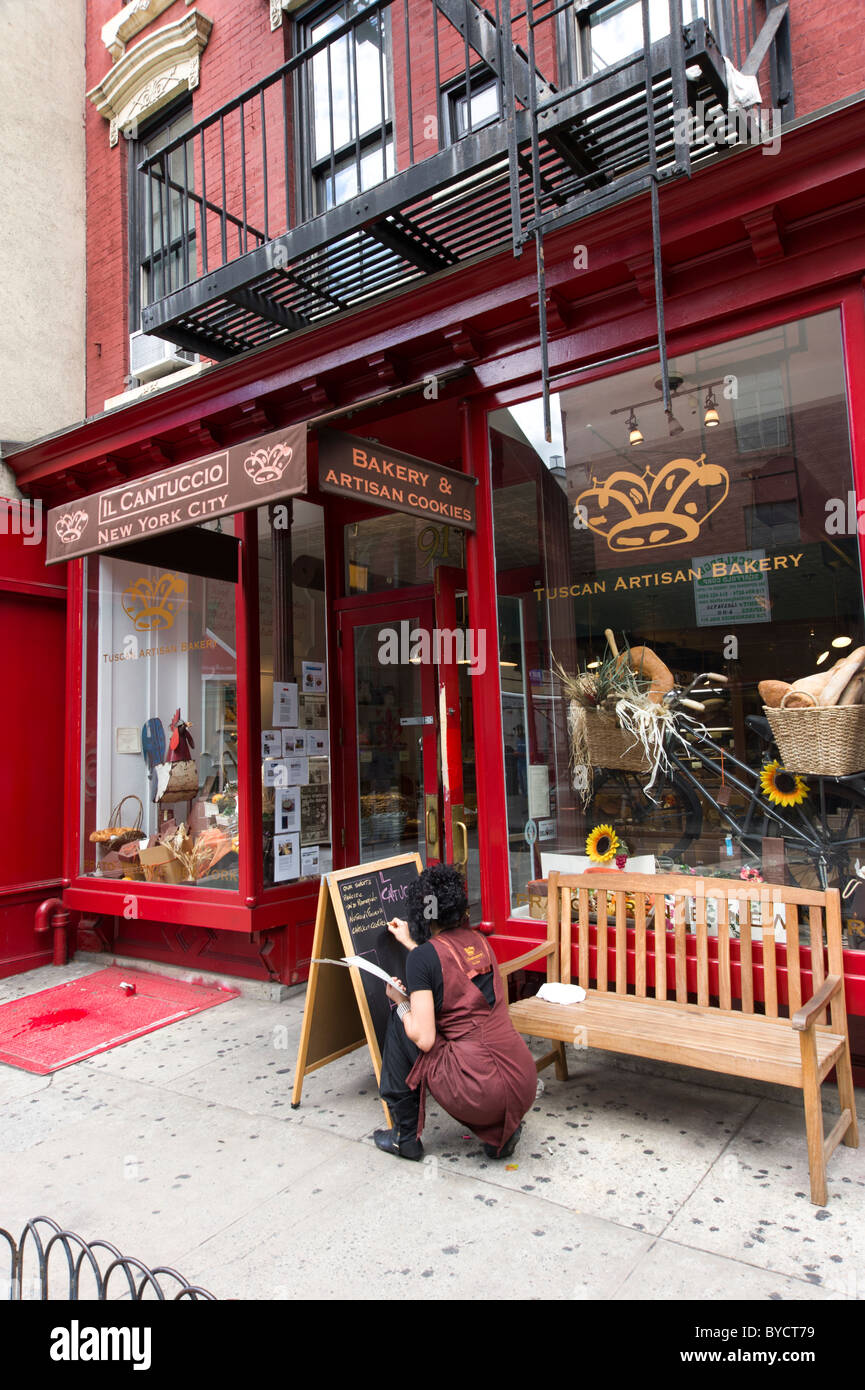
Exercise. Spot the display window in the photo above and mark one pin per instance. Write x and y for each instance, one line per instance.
(717, 539)
(160, 726)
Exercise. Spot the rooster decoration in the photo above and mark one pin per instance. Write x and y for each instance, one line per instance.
(181, 742)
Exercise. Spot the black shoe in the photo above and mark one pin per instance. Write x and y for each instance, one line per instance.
(390, 1141)
(507, 1149)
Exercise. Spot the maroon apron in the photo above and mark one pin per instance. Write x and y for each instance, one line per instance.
(478, 1069)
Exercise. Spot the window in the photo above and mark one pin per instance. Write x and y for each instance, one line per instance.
(161, 215)
(715, 561)
(468, 106)
(760, 412)
(349, 122)
(161, 669)
(611, 32)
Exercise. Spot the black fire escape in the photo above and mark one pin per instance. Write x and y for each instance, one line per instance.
(482, 130)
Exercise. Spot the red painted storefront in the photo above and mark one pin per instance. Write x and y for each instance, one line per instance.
(748, 244)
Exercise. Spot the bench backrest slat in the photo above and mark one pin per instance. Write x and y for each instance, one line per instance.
(702, 969)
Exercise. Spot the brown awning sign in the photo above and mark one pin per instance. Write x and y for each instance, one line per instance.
(353, 467)
(246, 475)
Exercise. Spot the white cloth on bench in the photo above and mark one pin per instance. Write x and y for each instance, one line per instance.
(554, 993)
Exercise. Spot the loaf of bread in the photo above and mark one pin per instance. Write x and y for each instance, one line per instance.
(773, 692)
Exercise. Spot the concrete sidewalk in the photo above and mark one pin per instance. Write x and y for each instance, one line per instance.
(631, 1181)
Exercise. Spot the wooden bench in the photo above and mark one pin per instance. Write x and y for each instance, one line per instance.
(685, 983)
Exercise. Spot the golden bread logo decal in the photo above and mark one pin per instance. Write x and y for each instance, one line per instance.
(268, 465)
(152, 603)
(70, 526)
(633, 512)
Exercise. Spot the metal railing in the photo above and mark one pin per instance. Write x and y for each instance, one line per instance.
(87, 1272)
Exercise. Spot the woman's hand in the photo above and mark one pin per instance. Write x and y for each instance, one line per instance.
(397, 991)
(399, 929)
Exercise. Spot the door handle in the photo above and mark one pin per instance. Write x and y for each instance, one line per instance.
(431, 825)
(462, 860)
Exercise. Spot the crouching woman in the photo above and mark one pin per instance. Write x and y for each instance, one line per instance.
(454, 1037)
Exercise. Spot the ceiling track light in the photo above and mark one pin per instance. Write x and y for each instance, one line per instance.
(635, 434)
(673, 424)
(711, 417)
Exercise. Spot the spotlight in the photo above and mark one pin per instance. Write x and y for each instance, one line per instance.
(675, 427)
(635, 434)
(821, 658)
(841, 641)
(711, 417)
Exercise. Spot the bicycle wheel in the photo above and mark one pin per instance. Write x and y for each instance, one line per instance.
(666, 826)
(844, 819)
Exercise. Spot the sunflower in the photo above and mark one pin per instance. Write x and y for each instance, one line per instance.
(783, 788)
(602, 844)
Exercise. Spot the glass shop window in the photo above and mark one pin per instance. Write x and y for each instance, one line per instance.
(295, 737)
(718, 538)
(160, 726)
(397, 552)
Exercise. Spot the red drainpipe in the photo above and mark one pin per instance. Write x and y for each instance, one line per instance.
(50, 914)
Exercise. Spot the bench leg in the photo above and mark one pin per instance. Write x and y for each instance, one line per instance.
(847, 1097)
(562, 1062)
(813, 1118)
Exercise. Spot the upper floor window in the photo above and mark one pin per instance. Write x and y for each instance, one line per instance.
(470, 105)
(161, 214)
(349, 102)
(610, 31)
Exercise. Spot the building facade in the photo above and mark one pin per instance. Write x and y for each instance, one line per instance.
(425, 344)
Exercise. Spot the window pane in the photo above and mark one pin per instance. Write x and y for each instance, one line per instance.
(160, 726)
(616, 31)
(349, 81)
(295, 754)
(722, 549)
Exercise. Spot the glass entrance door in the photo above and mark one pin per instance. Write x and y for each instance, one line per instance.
(406, 707)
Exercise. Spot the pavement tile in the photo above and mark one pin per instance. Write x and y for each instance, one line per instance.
(754, 1204)
(674, 1272)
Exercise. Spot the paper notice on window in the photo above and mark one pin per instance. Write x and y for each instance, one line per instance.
(539, 791)
(285, 704)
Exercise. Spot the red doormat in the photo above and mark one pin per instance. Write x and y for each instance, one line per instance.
(56, 1027)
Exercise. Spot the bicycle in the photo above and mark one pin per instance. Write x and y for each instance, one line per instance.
(822, 836)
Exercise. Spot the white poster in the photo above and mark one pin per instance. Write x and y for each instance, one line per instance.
(297, 770)
(539, 791)
(293, 741)
(731, 588)
(313, 678)
(316, 743)
(285, 704)
(286, 857)
(271, 743)
(286, 810)
(309, 862)
(275, 773)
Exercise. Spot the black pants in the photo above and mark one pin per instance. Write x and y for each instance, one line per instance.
(398, 1056)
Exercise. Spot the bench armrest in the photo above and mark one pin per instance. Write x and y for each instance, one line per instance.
(803, 1018)
(546, 948)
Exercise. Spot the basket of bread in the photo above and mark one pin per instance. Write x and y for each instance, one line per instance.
(818, 721)
(117, 834)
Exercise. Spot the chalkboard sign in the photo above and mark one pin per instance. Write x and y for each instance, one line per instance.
(369, 900)
(347, 1008)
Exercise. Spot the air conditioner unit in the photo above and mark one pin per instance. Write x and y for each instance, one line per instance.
(151, 357)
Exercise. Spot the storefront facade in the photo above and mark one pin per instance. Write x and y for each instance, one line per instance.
(350, 672)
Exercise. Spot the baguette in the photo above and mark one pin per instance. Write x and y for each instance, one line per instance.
(840, 677)
(644, 662)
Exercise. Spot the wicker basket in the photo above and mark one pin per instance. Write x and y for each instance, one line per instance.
(820, 742)
(610, 746)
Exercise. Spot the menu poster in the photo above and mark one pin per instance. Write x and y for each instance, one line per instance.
(313, 678)
(316, 743)
(275, 773)
(271, 743)
(293, 741)
(314, 814)
(286, 810)
(286, 857)
(309, 863)
(298, 771)
(285, 704)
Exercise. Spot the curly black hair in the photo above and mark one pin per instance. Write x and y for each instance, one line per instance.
(436, 899)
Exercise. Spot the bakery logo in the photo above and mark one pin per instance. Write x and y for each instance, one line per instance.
(151, 604)
(268, 465)
(634, 512)
(69, 526)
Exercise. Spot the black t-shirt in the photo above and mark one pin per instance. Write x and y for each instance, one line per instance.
(423, 970)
